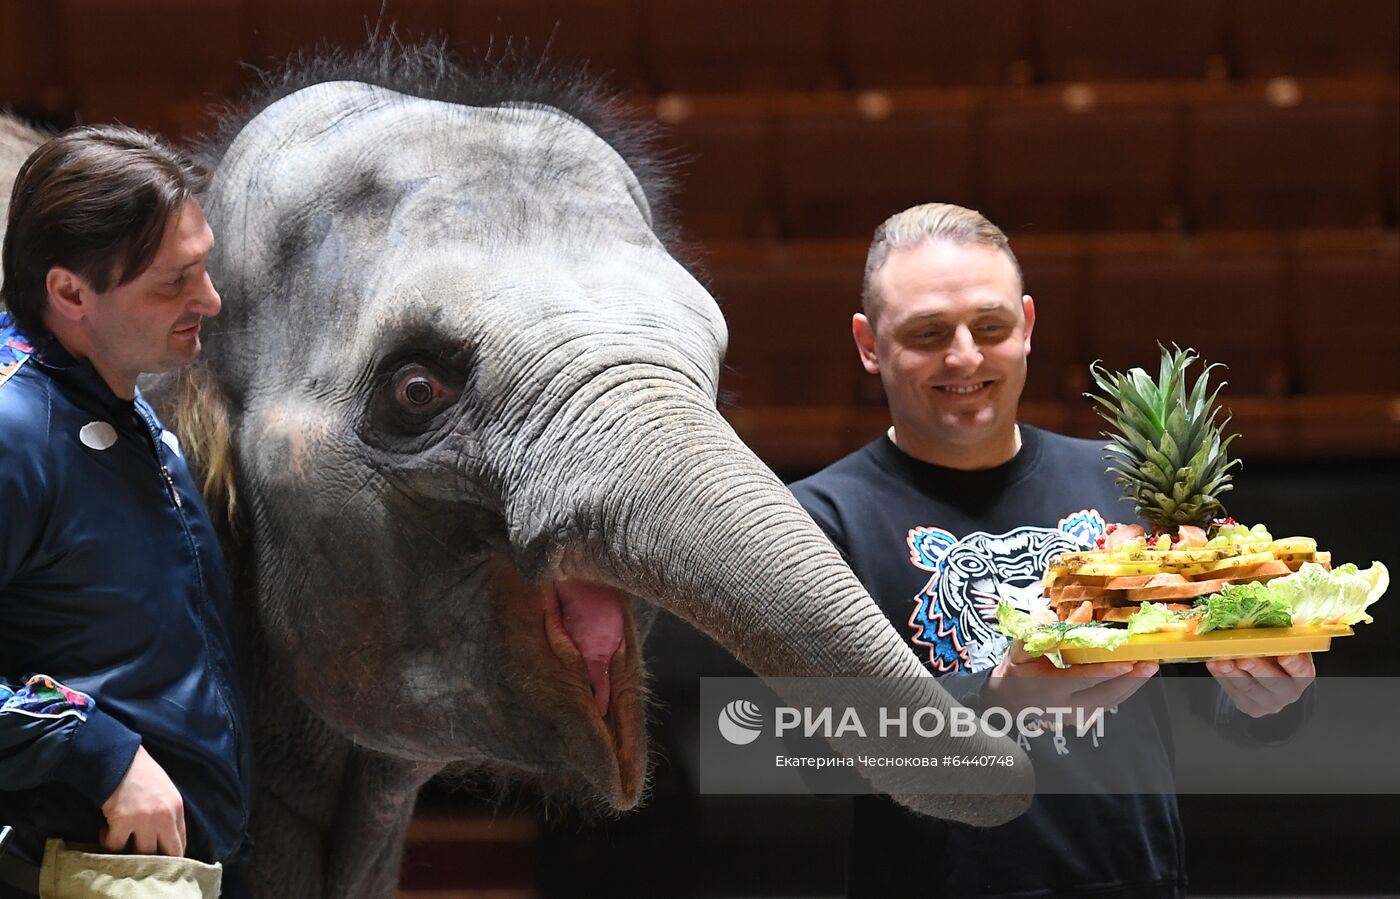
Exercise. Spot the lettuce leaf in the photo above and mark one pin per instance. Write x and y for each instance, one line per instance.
(1012, 622)
(1340, 596)
(1245, 605)
(1049, 639)
(1152, 618)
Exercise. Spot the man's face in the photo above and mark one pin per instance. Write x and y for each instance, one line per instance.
(152, 323)
(950, 342)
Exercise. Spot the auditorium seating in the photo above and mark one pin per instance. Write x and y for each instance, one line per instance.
(1314, 37)
(1344, 325)
(917, 43)
(171, 84)
(601, 33)
(276, 30)
(1286, 154)
(725, 45)
(720, 153)
(1110, 40)
(1165, 170)
(1081, 158)
(32, 81)
(849, 161)
(1222, 294)
(1053, 269)
(789, 311)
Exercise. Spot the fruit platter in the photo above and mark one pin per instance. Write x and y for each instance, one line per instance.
(1188, 583)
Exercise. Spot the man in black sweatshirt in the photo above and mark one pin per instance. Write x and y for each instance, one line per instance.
(956, 507)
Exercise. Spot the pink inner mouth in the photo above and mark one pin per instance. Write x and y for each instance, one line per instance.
(591, 616)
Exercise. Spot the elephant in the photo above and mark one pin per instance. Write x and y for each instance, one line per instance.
(458, 425)
(17, 141)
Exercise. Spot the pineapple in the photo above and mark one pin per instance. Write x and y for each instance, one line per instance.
(1168, 452)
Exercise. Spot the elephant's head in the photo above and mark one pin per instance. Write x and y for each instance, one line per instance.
(470, 398)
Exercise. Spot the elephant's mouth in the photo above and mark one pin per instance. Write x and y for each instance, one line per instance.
(588, 626)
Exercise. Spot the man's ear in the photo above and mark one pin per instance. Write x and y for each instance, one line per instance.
(864, 333)
(1028, 307)
(70, 296)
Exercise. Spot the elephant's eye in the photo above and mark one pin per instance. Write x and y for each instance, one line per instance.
(418, 390)
(413, 399)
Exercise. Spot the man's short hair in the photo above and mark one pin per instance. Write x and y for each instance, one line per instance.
(922, 224)
(96, 200)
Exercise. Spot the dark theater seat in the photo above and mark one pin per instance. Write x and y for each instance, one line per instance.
(789, 310)
(849, 161)
(171, 81)
(601, 33)
(1346, 339)
(1287, 154)
(721, 150)
(917, 43)
(1054, 270)
(726, 45)
(278, 29)
(1314, 37)
(1082, 158)
(32, 80)
(1109, 40)
(1222, 294)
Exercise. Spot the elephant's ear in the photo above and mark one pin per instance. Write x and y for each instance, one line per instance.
(192, 405)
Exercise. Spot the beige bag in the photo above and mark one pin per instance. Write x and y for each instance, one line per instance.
(70, 874)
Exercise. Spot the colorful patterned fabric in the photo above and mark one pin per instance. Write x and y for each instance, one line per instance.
(15, 348)
(43, 697)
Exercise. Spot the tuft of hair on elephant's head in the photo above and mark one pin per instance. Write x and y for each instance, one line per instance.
(460, 412)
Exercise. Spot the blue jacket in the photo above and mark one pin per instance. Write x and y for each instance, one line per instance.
(115, 621)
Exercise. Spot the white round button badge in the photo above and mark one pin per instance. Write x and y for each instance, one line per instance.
(98, 435)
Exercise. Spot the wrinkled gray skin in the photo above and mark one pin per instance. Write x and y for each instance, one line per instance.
(17, 141)
(403, 567)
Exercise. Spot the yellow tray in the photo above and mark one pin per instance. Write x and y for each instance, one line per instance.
(1242, 643)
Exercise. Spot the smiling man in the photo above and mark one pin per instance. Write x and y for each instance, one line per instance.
(957, 507)
(953, 334)
(121, 717)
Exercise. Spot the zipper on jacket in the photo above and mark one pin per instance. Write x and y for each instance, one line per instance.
(170, 482)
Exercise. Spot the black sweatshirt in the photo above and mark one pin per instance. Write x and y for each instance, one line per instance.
(925, 541)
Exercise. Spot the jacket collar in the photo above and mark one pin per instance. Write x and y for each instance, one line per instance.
(50, 355)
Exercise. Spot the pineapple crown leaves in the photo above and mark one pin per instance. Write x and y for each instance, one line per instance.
(1166, 449)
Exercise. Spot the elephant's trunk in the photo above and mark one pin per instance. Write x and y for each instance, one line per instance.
(668, 504)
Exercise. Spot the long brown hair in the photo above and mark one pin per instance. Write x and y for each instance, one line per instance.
(96, 200)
